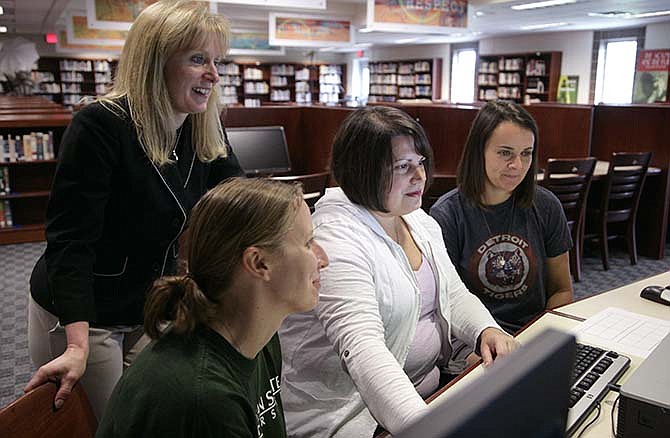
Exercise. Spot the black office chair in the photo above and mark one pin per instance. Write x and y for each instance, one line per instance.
(570, 179)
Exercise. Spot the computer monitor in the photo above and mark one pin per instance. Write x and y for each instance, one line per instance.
(261, 150)
(522, 395)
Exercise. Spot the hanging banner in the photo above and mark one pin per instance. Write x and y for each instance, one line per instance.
(78, 32)
(252, 42)
(422, 16)
(302, 4)
(64, 45)
(114, 14)
(309, 31)
(651, 76)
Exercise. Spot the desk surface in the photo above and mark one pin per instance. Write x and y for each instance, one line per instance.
(626, 297)
(567, 317)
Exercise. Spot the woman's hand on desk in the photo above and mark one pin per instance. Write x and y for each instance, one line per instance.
(495, 343)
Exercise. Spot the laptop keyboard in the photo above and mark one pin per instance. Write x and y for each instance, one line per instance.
(595, 368)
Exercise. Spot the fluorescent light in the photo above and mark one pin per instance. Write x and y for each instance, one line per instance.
(543, 4)
(543, 26)
(3, 29)
(612, 14)
(649, 14)
(366, 30)
(2, 11)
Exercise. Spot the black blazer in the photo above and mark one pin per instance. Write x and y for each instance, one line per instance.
(114, 218)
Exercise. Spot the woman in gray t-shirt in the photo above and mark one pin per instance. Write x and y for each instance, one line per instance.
(507, 237)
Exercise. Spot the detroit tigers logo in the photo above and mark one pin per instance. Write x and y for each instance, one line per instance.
(502, 266)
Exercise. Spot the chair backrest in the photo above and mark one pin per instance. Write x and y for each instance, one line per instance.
(570, 179)
(439, 186)
(33, 415)
(623, 186)
(313, 185)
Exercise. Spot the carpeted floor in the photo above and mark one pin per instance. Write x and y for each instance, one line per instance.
(18, 261)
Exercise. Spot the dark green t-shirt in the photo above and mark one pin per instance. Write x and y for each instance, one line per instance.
(197, 387)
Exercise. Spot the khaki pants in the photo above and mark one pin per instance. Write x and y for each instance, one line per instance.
(111, 350)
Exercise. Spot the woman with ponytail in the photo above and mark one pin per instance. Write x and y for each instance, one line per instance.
(214, 367)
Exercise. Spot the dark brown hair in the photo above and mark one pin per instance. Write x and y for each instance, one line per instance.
(472, 167)
(362, 154)
(227, 220)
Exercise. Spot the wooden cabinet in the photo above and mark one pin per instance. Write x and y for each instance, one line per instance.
(29, 179)
(409, 80)
(522, 77)
(66, 81)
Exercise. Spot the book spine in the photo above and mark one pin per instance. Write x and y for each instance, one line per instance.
(12, 149)
(9, 221)
(52, 154)
(2, 215)
(5, 173)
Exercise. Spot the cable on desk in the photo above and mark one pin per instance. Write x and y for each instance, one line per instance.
(614, 430)
(590, 423)
(614, 387)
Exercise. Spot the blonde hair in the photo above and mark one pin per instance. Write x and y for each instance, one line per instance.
(161, 30)
(228, 219)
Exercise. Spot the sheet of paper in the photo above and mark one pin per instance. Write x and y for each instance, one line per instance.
(623, 331)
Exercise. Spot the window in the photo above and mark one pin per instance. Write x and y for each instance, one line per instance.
(463, 64)
(613, 64)
(360, 80)
(615, 71)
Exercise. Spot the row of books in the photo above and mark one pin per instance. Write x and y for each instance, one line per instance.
(6, 220)
(27, 147)
(4, 180)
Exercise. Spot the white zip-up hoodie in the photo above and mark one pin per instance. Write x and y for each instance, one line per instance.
(343, 361)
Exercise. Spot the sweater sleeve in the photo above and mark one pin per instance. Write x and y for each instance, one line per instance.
(349, 312)
(76, 211)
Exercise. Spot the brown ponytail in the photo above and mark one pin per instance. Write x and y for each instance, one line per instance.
(228, 219)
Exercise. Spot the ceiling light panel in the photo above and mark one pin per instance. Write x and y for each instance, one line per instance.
(543, 4)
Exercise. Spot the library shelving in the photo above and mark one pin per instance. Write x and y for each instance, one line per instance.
(331, 89)
(230, 83)
(66, 81)
(27, 172)
(256, 84)
(406, 80)
(521, 77)
(282, 82)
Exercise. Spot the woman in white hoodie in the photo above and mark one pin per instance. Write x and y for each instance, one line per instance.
(390, 299)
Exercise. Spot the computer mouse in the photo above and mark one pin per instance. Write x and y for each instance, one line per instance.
(658, 294)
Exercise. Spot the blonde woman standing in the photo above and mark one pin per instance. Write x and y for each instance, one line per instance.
(130, 168)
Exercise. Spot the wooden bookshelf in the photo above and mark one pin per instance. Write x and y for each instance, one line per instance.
(66, 80)
(521, 77)
(29, 180)
(407, 80)
(230, 75)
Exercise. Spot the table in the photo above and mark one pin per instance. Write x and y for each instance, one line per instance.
(565, 318)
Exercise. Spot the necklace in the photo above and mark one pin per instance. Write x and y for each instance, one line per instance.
(509, 224)
(176, 144)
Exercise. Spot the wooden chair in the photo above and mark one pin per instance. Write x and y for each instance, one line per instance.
(570, 179)
(33, 415)
(313, 185)
(619, 202)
